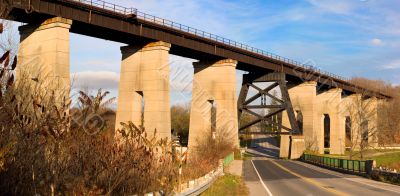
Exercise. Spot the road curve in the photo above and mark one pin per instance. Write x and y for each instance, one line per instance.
(283, 177)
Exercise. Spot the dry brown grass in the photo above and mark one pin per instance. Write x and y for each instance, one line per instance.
(205, 157)
(40, 153)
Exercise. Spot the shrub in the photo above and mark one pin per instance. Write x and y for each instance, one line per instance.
(180, 117)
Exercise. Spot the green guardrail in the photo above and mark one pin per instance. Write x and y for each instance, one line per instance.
(353, 166)
(228, 159)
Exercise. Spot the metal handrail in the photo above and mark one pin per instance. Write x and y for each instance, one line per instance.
(177, 26)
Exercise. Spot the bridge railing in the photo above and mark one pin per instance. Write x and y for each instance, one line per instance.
(108, 6)
(352, 166)
(177, 26)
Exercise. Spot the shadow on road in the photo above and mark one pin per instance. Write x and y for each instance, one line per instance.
(264, 146)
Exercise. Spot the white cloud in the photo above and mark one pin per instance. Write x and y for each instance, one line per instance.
(99, 63)
(392, 65)
(376, 42)
(106, 80)
(335, 6)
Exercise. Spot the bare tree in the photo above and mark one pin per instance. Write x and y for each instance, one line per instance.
(389, 120)
(180, 119)
(384, 129)
(364, 118)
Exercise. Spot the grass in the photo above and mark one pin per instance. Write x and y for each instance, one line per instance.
(391, 160)
(247, 156)
(227, 185)
(244, 156)
(237, 154)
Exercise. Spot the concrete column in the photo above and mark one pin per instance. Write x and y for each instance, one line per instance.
(44, 54)
(371, 106)
(214, 82)
(361, 110)
(144, 87)
(303, 99)
(329, 103)
(130, 91)
(350, 107)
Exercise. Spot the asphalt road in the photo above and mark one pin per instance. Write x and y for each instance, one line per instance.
(266, 175)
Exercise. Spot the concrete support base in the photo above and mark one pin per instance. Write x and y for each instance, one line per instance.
(210, 90)
(293, 150)
(44, 55)
(298, 147)
(284, 146)
(144, 88)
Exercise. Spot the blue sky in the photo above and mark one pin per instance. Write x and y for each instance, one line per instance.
(346, 37)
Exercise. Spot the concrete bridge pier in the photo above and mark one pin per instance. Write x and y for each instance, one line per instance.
(328, 104)
(303, 99)
(349, 110)
(214, 88)
(314, 109)
(144, 87)
(362, 115)
(44, 54)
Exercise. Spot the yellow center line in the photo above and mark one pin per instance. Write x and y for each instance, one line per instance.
(311, 181)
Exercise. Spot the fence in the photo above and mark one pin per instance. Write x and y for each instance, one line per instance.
(351, 166)
(228, 159)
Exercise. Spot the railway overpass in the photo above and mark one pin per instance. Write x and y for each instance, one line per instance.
(306, 91)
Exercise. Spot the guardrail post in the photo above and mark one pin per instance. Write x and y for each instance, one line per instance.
(369, 164)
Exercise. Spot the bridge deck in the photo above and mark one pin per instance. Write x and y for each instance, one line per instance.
(127, 25)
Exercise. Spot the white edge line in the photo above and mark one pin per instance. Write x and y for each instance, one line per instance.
(349, 179)
(262, 182)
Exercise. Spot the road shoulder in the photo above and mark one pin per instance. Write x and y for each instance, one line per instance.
(252, 180)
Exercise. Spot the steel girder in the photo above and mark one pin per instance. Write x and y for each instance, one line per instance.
(274, 115)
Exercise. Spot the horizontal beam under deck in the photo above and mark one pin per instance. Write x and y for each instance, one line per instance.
(100, 23)
(268, 133)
